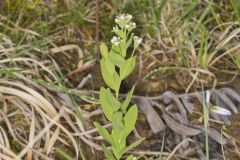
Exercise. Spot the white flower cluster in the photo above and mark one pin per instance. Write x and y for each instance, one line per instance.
(137, 40)
(124, 21)
(116, 40)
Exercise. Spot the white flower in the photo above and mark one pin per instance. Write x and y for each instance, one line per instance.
(128, 17)
(115, 29)
(130, 26)
(208, 96)
(115, 40)
(122, 16)
(127, 26)
(221, 110)
(124, 21)
(120, 20)
(117, 21)
(137, 40)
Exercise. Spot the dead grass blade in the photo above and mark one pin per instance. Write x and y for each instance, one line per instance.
(42, 106)
(39, 135)
(179, 128)
(53, 139)
(8, 152)
(31, 134)
(177, 147)
(29, 60)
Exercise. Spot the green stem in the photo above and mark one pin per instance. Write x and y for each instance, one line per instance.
(133, 52)
(206, 131)
(207, 150)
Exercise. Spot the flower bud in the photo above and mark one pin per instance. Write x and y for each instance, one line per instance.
(137, 41)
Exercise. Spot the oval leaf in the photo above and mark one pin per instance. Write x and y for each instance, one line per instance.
(109, 66)
(116, 59)
(104, 50)
(112, 80)
(130, 120)
(117, 121)
(127, 67)
(107, 77)
(106, 106)
(113, 101)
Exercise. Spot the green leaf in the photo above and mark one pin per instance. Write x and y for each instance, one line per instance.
(109, 66)
(127, 67)
(131, 158)
(104, 50)
(120, 33)
(117, 81)
(112, 80)
(108, 78)
(116, 49)
(104, 133)
(127, 100)
(113, 101)
(106, 105)
(131, 146)
(108, 102)
(117, 121)
(119, 142)
(130, 119)
(63, 154)
(123, 47)
(129, 42)
(107, 153)
(116, 58)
